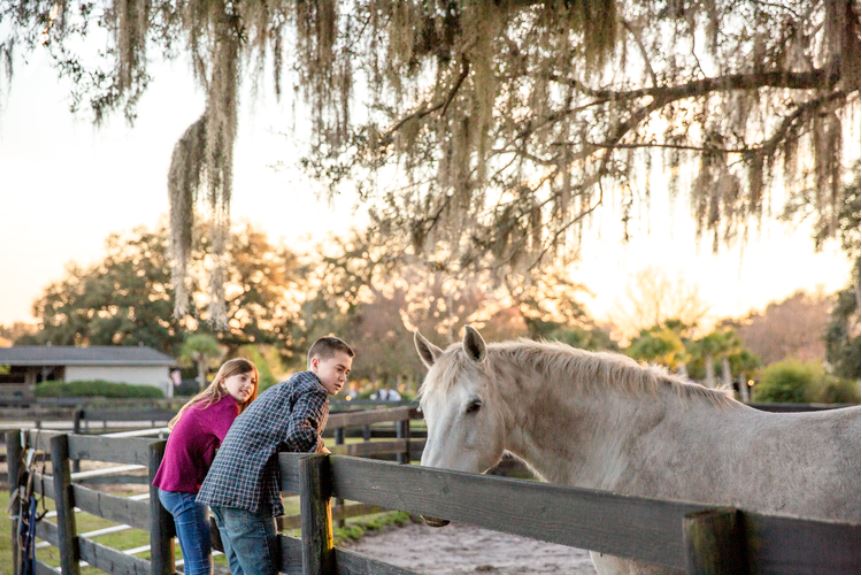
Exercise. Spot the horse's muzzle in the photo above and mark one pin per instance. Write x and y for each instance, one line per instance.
(433, 521)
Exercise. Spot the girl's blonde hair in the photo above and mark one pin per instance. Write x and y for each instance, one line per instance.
(216, 391)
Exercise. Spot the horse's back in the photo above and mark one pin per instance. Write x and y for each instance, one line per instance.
(807, 465)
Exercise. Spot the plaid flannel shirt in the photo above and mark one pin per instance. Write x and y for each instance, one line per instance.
(289, 416)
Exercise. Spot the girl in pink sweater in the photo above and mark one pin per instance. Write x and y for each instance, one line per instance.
(196, 432)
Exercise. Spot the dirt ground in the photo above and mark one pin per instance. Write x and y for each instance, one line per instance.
(463, 549)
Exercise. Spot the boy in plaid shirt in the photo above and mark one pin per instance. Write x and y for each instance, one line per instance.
(241, 487)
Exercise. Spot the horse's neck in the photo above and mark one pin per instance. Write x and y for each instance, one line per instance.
(582, 435)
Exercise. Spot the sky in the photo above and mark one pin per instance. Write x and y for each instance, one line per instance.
(66, 185)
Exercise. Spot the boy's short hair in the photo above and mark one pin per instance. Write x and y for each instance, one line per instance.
(326, 347)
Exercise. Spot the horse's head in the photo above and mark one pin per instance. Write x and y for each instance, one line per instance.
(461, 406)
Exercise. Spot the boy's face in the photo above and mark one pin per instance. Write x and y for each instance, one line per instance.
(332, 372)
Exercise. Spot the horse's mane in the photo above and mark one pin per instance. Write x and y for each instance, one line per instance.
(603, 369)
(558, 362)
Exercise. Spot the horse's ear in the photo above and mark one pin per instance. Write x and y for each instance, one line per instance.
(474, 344)
(427, 351)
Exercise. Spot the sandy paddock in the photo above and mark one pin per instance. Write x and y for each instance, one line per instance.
(464, 549)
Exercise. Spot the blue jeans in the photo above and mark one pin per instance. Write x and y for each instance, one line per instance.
(193, 531)
(249, 539)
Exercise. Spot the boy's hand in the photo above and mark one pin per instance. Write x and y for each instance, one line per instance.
(323, 450)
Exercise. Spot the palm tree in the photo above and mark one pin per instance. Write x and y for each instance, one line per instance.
(200, 349)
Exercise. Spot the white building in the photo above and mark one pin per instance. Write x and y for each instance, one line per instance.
(29, 365)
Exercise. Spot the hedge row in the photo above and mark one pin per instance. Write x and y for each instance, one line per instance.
(97, 389)
(792, 381)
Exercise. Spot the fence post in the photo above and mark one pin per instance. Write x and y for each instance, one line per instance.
(78, 415)
(402, 431)
(715, 542)
(318, 554)
(76, 428)
(13, 462)
(63, 501)
(339, 503)
(161, 523)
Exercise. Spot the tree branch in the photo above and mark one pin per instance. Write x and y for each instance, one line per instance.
(818, 78)
(444, 104)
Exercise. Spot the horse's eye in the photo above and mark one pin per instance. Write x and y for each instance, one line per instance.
(474, 406)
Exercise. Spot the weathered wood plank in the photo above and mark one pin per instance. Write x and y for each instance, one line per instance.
(288, 464)
(380, 448)
(786, 545)
(119, 509)
(36, 414)
(715, 542)
(349, 563)
(42, 569)
(48, 532)
(117, 480)
(371, 448)
(291, 555)
(127, 415)
(95, 448)
(111, 561)
(353, 419)
(107, 471)
(318, 550)
(639, 528)
(376, 433)
(64, 503)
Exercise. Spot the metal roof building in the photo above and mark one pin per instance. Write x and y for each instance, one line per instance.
(29, 365)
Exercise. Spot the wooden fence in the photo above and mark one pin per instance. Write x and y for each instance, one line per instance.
(109, 448)
(69, 496)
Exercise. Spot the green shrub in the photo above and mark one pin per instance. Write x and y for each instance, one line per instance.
(792, 381)
(789, 381)
(97, 389)
(838, 390)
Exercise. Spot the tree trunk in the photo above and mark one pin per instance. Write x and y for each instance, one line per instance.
(726, 376)
(710, 371)
(743, 389)
(202, 372)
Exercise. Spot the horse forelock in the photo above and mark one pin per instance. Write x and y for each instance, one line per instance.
(443, 375)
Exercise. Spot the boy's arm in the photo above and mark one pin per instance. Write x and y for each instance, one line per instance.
(308, 415)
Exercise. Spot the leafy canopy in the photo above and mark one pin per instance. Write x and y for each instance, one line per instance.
(491, 128)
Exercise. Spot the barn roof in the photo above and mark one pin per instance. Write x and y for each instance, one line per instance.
(102, 356)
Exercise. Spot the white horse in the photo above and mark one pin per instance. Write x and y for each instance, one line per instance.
(601, 421)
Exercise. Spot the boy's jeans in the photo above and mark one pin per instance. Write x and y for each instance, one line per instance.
(249, 539)
(193, 531)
